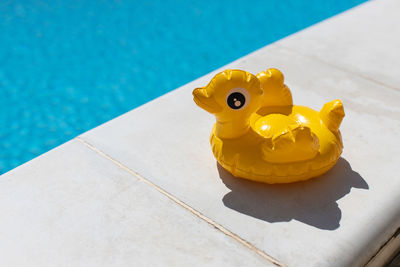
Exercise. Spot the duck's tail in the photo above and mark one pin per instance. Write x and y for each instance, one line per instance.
(332, 114)
(276, 93)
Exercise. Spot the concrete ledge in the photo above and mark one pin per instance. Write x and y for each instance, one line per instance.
(72, 206)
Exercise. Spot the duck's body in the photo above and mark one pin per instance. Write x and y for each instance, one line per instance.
(254, 156)
(270, 140)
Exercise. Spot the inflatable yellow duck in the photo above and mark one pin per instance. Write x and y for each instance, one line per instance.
(260, 135)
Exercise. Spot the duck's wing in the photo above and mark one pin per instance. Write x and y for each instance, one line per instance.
(292, 145)
(276, 93)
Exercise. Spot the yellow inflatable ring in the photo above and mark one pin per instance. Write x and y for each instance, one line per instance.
(260, 135)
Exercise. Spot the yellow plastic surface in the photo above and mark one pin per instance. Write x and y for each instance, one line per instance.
(260, 135)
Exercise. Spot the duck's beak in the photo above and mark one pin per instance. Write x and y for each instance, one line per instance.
(205, 100)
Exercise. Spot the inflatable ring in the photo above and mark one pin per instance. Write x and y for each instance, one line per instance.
(261, 136)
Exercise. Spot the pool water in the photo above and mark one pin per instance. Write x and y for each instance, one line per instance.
(68, 66)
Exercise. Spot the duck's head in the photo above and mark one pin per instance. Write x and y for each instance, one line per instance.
(231, 94)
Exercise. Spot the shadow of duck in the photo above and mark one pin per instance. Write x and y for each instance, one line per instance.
(312, 202)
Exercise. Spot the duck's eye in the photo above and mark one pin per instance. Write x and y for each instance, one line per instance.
(236, 100)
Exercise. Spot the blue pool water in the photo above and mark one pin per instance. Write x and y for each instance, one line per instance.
(68, 66)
